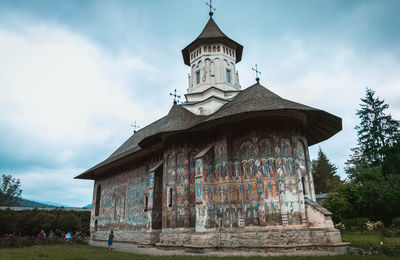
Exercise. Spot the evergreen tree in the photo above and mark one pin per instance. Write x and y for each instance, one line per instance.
(324, 174)
(373, 190)
(377, 131)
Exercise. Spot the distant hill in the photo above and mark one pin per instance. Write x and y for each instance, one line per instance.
(44, 204)
(30, 203)
(89, 206)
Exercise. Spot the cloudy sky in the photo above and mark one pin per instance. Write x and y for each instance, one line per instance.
(74, 75)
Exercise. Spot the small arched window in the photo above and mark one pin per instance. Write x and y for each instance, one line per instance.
(98, 197)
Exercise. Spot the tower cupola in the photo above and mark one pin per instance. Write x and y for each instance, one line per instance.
(213, 80)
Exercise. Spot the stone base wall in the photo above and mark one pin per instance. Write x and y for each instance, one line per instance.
(136, 237)
(252, 239)
(280, 241)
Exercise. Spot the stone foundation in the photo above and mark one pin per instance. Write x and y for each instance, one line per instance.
(135, 237)
(279, 240)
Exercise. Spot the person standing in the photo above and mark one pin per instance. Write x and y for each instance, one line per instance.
(110, 239)
(51, 234)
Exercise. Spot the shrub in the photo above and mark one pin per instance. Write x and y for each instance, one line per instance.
(355, 224)
(396, 222)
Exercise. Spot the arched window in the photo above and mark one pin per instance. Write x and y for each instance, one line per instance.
(98, 197)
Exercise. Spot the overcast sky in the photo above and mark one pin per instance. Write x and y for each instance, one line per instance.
(74, 75)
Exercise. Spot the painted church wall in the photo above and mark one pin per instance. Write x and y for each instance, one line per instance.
(259, 184)
(178, 188)
(123, 201)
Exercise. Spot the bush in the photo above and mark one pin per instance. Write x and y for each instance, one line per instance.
(396, 222)
(355, 224)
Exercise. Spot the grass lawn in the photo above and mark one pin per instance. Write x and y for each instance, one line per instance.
(83, 252)
(367, 239)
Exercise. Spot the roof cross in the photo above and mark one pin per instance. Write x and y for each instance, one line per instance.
(211, 8)
(135, 127)
(257, 72)
(176, 97)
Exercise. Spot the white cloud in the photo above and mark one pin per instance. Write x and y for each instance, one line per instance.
(64, 99)
(56, 185)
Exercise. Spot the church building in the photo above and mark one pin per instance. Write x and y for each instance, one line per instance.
(228, 168)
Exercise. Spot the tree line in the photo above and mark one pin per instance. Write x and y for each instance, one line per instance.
(31, 222)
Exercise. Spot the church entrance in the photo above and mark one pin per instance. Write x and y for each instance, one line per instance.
(157, 199)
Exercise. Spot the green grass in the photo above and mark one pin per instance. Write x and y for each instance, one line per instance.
(83, 252)
(368, 239)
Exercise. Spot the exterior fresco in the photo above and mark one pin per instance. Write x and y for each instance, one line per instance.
(179, 189)
(122, 201)
(206, 194)
(257, 180)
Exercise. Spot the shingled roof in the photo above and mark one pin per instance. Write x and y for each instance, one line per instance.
(319, 125)
(212, 34)
(178, 118)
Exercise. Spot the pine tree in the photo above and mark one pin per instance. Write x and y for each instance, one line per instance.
(324, 174)
(377, 131)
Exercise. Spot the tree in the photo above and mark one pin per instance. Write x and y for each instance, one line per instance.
(10, 190)
(324, 174)
(377, 131)
(373, 190)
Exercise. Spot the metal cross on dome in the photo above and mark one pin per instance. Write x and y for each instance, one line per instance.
(135, 127)
(257, 72)
(211, 8)
(176, 97)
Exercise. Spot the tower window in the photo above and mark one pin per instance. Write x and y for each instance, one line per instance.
(228, 76)
(198, 77)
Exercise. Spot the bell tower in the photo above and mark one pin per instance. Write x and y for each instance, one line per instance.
(213, 80)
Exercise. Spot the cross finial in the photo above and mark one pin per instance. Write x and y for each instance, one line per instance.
(135, 127)
(257, 72)
(211, 8)
(176, 97)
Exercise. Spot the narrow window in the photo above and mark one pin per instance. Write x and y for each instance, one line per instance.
(228, 76)
(98, 196)
(95, 225)
(198, 77)
(304, 187)
(170, 198)
(146, 203)
(115, 208)
(218, 48)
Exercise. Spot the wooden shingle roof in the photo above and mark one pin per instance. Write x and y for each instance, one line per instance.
(319, 125)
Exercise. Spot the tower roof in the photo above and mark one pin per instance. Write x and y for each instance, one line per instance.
(212, 34)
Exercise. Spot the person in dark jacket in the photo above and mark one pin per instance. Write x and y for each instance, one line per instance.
(110, 239)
